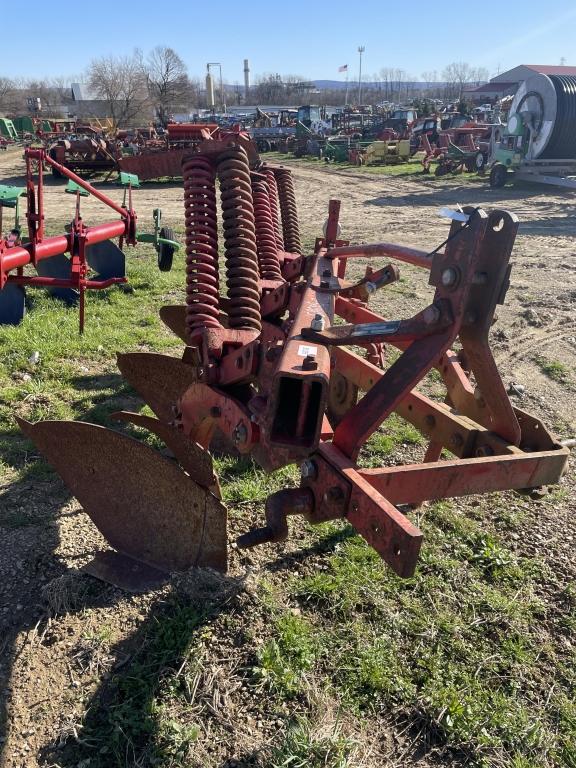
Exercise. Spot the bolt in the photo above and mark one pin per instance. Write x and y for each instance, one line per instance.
(309, 363)
(449, 277)
(327, 273)
(431, 315)
(317, 323)
(215, 412)
(240, 434)
(457, 441)
(480, 278)
(308, 470)
(273, 354)
(334, 496)
(430, 421)
(324, 284)
(484, 450)
(370, 287)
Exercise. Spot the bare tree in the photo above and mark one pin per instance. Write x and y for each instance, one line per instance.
(167, 80)
(458, 74)
(121, 82)
(11, 98)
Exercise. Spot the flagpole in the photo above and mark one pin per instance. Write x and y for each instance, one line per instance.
(346, 96)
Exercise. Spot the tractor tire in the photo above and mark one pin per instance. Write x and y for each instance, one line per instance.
(498, 175)
(165, 251)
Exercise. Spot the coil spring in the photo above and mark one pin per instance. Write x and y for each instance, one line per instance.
(288, 210)
(200, 213)
(265, 236)
(239, 240)
(274, 206)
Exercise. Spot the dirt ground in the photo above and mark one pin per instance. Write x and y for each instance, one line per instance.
(45, 682)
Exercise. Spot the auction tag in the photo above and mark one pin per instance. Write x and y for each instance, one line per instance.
(304, 350)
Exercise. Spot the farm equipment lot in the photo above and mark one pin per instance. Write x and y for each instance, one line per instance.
(311, 650)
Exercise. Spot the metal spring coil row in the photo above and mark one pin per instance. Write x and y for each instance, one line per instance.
(274, 206)
(201, 223)
(265, 234)
(239, 240)
(288, 210)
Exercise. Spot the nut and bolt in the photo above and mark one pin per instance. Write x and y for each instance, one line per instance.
(308, 470)
(449, 277)
(317, 323)
(309, 363)
(240, 434)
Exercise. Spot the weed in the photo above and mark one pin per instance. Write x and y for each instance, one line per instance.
(285, 659)
(302, 749)
(554, 369)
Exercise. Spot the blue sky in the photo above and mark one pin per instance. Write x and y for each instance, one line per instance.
(311, 39)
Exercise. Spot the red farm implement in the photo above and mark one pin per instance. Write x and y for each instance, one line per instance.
(265, 371)
(83, 258)
(145, 157)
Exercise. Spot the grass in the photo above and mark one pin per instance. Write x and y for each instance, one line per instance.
(472, 658)
(411, 168)
(554, 369)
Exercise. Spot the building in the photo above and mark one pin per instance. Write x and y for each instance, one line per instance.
(506, 83)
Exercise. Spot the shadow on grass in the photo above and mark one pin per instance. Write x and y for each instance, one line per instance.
(124, 723)
(30, 508)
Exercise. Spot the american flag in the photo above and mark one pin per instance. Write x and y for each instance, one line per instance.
(343, 68)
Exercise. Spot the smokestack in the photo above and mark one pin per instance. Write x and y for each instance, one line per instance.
(246, 81)
(209, 90)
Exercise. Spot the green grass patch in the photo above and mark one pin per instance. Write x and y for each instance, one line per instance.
(554, 369)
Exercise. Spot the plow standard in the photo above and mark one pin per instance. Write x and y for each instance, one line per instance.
(266, 371)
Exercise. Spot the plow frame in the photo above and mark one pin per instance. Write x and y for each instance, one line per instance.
(493, 445)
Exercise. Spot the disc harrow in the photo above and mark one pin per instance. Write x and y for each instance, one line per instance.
(267, 372)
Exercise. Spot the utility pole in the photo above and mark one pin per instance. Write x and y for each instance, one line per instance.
(361, 50)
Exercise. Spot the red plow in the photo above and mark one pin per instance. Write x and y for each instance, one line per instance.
(266, 371)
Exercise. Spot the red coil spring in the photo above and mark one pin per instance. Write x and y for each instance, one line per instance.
(265, 235)
(274, 206)
(288, 210)
(239, 240)
(200, 213)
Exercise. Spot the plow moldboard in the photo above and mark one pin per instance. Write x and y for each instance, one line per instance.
(142, 503)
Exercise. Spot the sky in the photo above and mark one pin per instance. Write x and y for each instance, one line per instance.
(311, 39)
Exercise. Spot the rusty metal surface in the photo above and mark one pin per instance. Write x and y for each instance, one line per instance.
(174, 317)
(124, 572)
(159, 380)
(192, 457)
(144, 505)
(414, 483)
(340, 491)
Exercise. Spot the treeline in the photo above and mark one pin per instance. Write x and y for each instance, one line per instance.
(137, 87)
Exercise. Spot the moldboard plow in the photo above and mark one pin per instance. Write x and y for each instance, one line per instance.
(266, 371)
